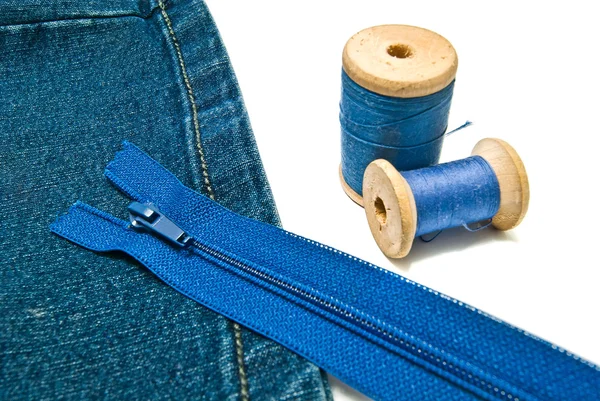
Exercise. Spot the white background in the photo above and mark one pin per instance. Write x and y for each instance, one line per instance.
(528, 73)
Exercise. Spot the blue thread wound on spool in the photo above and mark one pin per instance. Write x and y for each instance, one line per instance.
(408, 132)
(454, 194)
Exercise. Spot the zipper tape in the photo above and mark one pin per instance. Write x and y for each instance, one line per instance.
(387, 336)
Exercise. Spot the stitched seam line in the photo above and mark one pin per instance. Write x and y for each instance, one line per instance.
(239, 350)
(237, 330)
(191, 98)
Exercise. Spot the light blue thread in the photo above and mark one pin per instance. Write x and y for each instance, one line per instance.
(454, 194)
(408, 132)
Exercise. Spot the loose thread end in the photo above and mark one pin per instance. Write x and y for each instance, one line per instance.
(465, 125)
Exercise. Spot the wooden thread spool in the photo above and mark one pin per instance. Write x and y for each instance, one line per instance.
(391, 209)
(398, 61)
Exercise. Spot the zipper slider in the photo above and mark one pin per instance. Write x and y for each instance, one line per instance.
(146, 216)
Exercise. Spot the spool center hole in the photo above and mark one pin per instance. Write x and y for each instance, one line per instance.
(400, 51)
(380, 212)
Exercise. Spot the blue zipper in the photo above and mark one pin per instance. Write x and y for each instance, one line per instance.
(205, 252)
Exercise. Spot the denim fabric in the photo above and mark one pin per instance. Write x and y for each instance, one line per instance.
(76, 78)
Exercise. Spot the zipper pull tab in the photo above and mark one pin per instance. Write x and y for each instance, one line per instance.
(146, 216)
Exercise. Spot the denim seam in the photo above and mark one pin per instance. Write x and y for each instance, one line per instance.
(237, 330)
(239, 350)
(191, 97)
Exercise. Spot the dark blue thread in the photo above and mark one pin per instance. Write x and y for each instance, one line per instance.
(408, 132)
(454, 194)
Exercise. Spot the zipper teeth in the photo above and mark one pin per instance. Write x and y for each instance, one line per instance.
(408, 346)
(384, 334)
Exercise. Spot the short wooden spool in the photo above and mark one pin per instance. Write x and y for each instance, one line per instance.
(390, 205)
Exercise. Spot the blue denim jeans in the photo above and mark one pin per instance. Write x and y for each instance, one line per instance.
(76, 79)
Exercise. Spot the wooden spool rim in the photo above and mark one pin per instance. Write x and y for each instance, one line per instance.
(512, 178)
(400, 60)
(352, 194)
(384, 184)
(390, 208)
